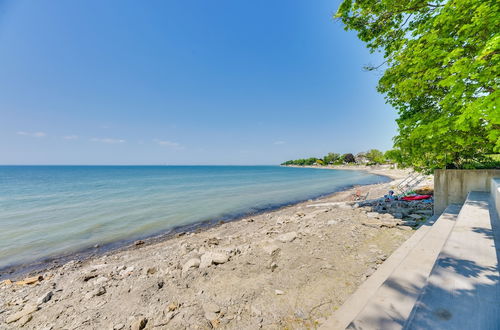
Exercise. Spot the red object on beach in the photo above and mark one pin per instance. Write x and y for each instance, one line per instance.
(416, 198)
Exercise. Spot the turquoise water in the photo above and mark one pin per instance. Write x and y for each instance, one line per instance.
(49, 210)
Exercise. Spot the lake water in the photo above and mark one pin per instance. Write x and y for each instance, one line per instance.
(50, 210)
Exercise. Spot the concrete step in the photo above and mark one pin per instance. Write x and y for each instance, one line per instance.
(463, 289)
(397, 264)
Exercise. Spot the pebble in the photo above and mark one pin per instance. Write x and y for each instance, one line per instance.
(25, 319)
(45, 298)
(139, 324)
(213, 258)
(279, 292)
(288, 237)
(210, 316)
(191, 263)
(271, 249)
(211, 307)
(119, 326)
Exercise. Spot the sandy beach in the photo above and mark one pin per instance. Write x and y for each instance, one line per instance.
(285, 269)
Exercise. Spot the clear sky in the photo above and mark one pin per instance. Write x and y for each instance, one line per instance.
(184, 82)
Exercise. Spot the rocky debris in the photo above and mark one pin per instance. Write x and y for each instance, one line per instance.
(288, 237)
(139, 323)
(25, 312)
(45, 298)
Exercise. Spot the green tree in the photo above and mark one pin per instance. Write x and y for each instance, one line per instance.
(375, 156)
(441, 74)
(332, 158)
(348, 158)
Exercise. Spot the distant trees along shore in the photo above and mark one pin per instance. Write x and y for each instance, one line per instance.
(370, 157)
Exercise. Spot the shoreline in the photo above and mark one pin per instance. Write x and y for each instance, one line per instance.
(17, 271)
(286, 268)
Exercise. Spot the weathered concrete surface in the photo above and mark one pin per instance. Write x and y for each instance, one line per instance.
(452, 186)
(463, 290)
(495, 193)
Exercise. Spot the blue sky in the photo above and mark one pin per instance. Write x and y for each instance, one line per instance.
(184, 82)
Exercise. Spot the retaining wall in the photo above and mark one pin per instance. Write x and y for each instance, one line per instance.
(452, 186)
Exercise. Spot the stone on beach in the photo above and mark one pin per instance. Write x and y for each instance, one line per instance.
(288, 237)
(139, 323)
(45, 298)
(191, 263)
(271, 249)
(26, 311)
(210, 258)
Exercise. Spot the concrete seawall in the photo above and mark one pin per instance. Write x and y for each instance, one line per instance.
(452, 186)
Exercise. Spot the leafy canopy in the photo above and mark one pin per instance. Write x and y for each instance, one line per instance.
(441, 75)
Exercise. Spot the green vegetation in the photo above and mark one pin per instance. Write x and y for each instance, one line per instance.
(441, 75)
(370, 157)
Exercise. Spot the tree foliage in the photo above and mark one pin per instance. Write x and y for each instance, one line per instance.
(375, 156)
(442, 74)
(349, 158)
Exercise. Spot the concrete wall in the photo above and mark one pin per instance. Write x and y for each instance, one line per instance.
(495, 193)
(452, 186)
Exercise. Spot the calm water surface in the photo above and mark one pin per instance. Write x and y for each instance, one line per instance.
(50, 210)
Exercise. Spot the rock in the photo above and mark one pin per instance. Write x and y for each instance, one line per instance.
(271, 249)
(151, 271)
(127, 271)
(211, 307)
(172, 307)
(279, 292)
(191, 263)
(25, 319)
(416, 216)
(88, 277)
(288, 237)
(398, 215)
(139, 324)
(137, 243)
(213, 258)
(119, 326)
(30, 280)
(210, 316)
(332, 222)
(45, 298)
(372, 215)
(26, 311)
(101, 280)
(215, 323)
(160, 284)
(95, 293)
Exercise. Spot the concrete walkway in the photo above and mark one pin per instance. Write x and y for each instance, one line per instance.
(463, 290)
